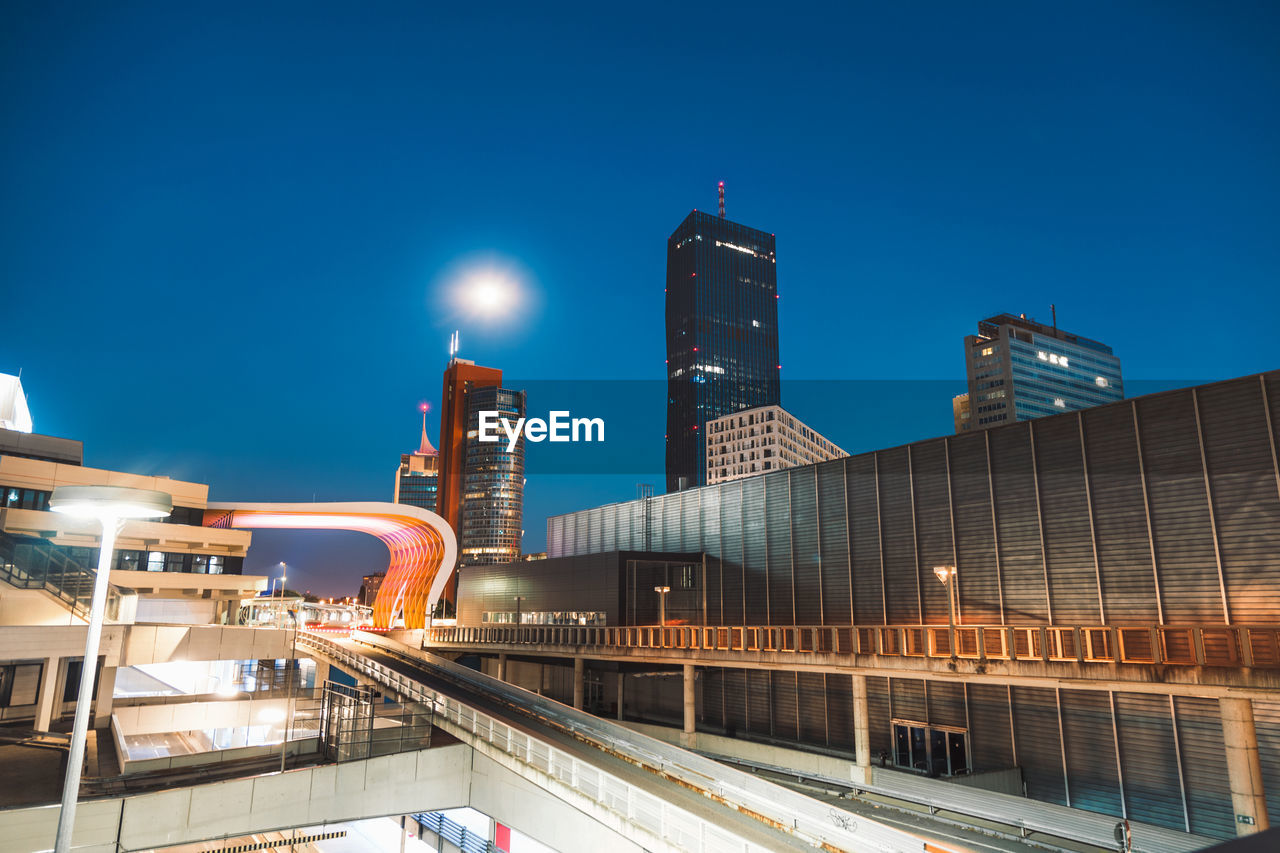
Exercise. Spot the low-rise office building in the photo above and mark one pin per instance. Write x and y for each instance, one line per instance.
(766, 438)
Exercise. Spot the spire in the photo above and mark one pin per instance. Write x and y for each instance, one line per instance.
(722, 199)
(425, 448)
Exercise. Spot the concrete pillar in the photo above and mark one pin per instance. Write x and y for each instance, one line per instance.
(502, 666)
(579, 685)
(103, 700)
(621, 681)
(1244, 769)
(689, 738)
(861, 730)
(48, 694)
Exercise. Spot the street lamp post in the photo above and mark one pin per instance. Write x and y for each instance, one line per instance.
(662, 604)
(280, 615)
(947, 574)
(110, 506)
(292, 698)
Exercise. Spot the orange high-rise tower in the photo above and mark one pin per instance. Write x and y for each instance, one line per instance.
(460, 378)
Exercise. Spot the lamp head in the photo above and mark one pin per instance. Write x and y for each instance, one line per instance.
(944, 572)
(104, 502)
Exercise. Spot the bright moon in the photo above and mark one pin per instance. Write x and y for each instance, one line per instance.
(487, 291)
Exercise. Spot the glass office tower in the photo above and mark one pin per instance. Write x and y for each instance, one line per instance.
(1019, 369)
(722, 334)
(492, 483)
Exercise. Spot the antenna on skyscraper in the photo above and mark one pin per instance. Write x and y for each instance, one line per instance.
(453, 344)
(722, 199)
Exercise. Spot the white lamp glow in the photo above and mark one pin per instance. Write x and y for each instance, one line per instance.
(111, 506)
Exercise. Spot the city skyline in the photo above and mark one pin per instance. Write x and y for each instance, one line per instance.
(1120, 195)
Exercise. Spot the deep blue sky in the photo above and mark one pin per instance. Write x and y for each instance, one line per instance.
(224, 227)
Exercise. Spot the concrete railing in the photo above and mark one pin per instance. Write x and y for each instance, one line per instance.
(1177, 645)
(775, 807)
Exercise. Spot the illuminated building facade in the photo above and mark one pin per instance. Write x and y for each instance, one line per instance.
(418, 477)
(493, 483)
(370, 584)
(461, 378)
(960, 412)
(722, 334)
(763, 439)
(1019, 369)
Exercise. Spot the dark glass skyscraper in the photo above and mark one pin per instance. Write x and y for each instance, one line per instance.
(722, 333)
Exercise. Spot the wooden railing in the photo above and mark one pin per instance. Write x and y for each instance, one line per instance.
(1184, 645)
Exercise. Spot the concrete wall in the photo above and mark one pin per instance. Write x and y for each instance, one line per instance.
(163, 643)
(33, 607)
(429, 780)
(192, 716)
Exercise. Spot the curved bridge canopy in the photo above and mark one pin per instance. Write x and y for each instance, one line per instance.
(422, 545)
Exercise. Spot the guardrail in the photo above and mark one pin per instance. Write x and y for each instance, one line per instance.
(1021, 817)
(776, 807)
(1179, 645)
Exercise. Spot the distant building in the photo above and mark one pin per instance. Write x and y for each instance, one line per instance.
(492, 484)
(369, 588)
(14, 414)
(960, 412)
(418, 478)
(722, 333)
(767, 438)
(1019, 369)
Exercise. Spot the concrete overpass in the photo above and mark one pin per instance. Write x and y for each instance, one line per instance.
(560, 776)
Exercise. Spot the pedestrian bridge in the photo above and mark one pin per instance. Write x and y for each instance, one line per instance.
(560, 776)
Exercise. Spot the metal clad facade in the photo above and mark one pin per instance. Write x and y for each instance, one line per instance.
(880, 711)
(804, 546)
(1068, 539)
(1204, 765)
(833, 546)
(856, 539)
(1039, 739)
(1152, 777)
(1246, 508)
(902, 589)
(864, 533)
(731, 554)
(991, 743)
(1120, 515)
(975, 532)
(778, 558)
(933, 524)
(1189, 584)
(839, 711)
(1018, 525)
(1091, 751)
(1266, 720)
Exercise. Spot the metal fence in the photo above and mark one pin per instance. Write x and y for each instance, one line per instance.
(354, 724)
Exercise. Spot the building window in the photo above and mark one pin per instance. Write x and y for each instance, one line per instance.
(930, 750)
